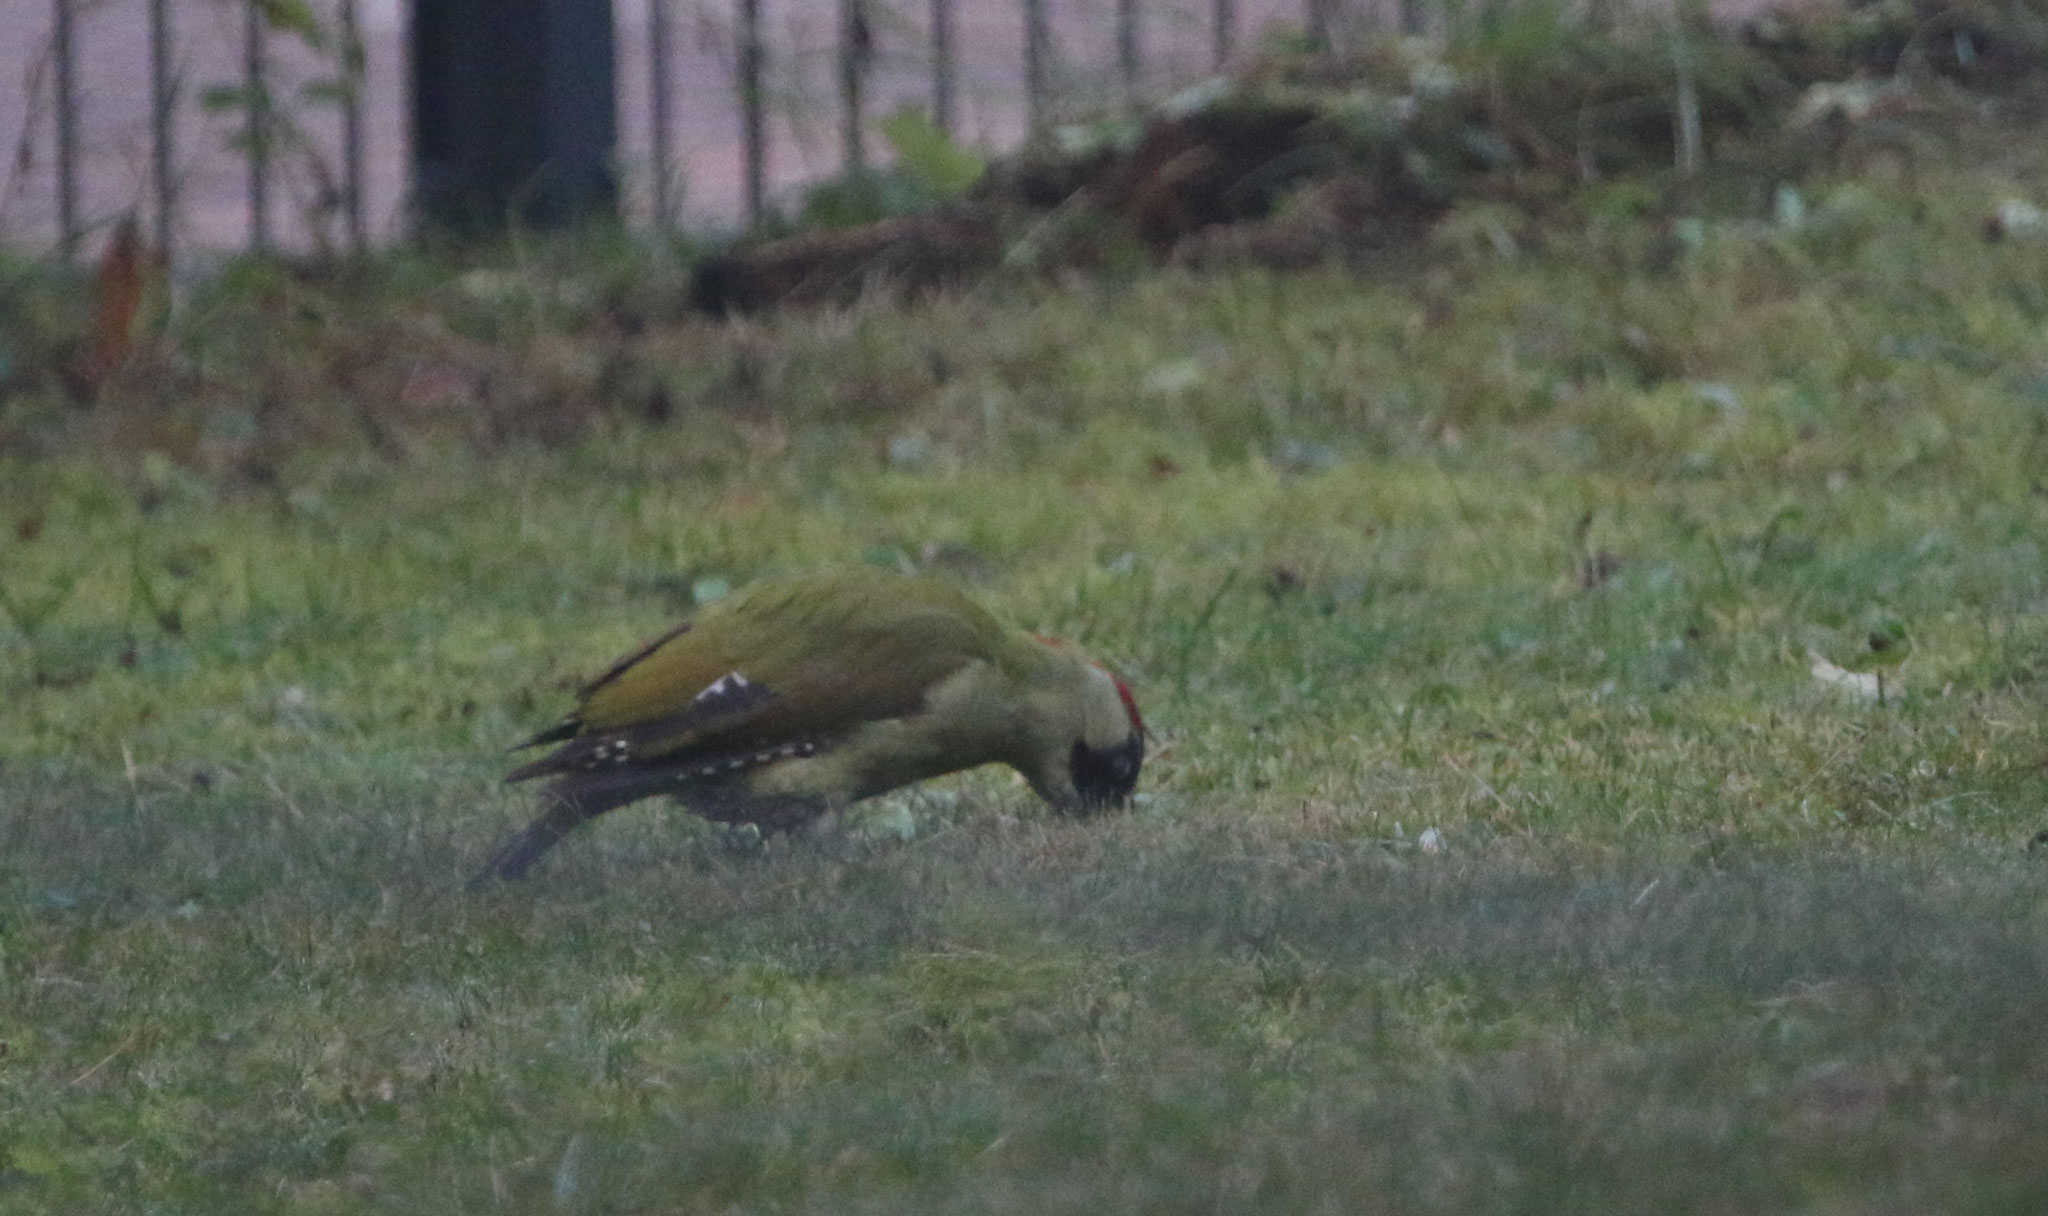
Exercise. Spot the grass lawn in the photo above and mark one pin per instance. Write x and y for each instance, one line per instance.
(1600, 696)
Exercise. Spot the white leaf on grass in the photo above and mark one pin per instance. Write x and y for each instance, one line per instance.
(1175, 377)
(910, 452)
(2016, 218)
(1862, 684)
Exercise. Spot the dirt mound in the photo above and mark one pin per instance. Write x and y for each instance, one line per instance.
(1308, 159)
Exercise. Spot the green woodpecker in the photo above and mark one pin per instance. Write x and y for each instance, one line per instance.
(797, 697)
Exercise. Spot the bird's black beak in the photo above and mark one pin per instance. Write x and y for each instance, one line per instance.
(1104, 779)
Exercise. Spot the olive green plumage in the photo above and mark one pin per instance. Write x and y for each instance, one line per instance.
(797, 696)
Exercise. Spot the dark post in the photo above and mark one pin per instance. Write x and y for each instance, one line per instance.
(942, 65)
(856, 44)
(353, 72)
(256, 126)
(754, 133)
(657, 104)
(1037, 50)
(163, 104)
(514, 119)
(63, 39)
(1128, 61)
(1223, 27)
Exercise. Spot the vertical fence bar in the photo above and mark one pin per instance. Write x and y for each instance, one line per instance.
(1686, 119)
(1222, 30)
(1037, 51)
(64, 45)
(256, 95)
(1414, 17)
(354, 70)
(657, 104)
(856, 41)
(754, 129)
(942, 65)
(163, 103)
(1318, 24)
(1129, 60)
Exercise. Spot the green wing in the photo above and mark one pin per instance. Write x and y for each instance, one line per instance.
(805, 659)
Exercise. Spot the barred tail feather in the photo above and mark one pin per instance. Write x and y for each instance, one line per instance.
(571, 802)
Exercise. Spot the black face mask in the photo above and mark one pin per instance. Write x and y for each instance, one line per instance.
(1106, 778)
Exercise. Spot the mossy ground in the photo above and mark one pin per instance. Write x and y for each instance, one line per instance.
(1501, 850)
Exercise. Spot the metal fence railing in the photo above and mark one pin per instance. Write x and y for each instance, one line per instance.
(224, 124)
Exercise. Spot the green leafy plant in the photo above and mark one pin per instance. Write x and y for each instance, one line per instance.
(28, 610)
(927, 169)
(938, 164)
(272, 127)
